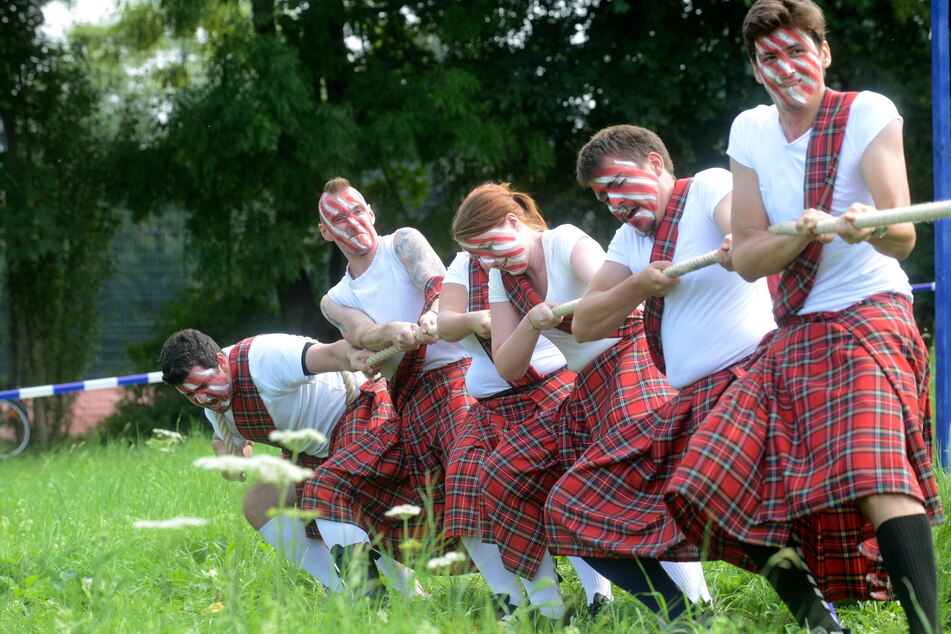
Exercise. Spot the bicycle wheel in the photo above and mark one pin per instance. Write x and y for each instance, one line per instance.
(14, 428)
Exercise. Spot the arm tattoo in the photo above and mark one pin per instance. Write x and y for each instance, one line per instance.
(417, 256)
(339, 324)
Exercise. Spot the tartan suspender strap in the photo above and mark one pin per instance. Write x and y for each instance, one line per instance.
(410, 369)
(665, 241)
(524, 297)
(250, 415)
(822, 164)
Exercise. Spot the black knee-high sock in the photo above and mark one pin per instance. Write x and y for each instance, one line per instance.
(907, 549)
(645, 579)
(795, 587)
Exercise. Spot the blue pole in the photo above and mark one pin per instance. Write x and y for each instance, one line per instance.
(941, 134)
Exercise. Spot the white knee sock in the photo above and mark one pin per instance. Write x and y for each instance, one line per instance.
(543, 590)
(489, 562)
(341, 534)
(288, 537)
(401, 578)
(689, 577)
(591, 580)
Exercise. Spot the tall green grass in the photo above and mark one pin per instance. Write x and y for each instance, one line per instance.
(71, 560)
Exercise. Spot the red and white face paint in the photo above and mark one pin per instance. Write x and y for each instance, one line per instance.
(208, 387)
(349, 219)
(789, 62)
(632, 194)
(499, 248)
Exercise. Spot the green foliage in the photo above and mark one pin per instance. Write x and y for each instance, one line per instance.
(55, 227)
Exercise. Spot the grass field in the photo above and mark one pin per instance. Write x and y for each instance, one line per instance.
(72, 560)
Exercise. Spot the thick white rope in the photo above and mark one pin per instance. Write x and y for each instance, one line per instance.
(382, 355)
(923, 212)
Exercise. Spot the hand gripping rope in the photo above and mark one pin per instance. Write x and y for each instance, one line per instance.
(923, 212)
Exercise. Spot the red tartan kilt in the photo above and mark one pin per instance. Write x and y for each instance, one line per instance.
(611, 501)
(622, 383)
(489, 420)
(366, 473)
(432, 420)
(834, 409)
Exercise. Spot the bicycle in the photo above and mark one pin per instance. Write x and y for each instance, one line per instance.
(14, 428)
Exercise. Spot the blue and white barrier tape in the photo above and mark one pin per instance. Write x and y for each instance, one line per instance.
(80, 386)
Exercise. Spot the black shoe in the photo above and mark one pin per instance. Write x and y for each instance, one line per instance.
(502, 606)
(595, 607)
(356, 565)
(696, 619)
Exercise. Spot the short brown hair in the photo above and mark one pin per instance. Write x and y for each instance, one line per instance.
(335, 185)
(765, 16)
(185, 349)
(486, 207)
(623, 141)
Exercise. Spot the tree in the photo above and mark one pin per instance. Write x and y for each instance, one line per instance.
(55, 227)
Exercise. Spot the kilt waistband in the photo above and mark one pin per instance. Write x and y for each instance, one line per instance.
(528, 387)
(878, 298)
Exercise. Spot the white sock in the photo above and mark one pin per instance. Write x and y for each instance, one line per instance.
(543, 590)
(689, 577)
(591, 580)
(401, 578)
(341, 534)
(288, 537)
(489, 562)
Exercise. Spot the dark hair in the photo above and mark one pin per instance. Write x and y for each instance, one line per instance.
(623, 141)
(335, 185)
(185, 349)
(486, 207)
(765, 16)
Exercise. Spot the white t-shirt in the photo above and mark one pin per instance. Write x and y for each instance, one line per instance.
(386, 293)
(482, 379)
(293, 399)
(563, 286)
(847, 273)
(713, 318)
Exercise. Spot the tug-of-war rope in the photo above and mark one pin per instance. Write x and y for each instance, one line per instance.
(923, 212)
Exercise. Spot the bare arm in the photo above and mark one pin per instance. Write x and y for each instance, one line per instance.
(414, 251)
(883, 168)
(513, 341)
(612, 295)
(756, 252)
(335, 357)
(721, 218)
(361, 331)
(454, 321)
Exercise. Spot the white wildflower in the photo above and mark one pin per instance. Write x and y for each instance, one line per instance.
(446, 560)
(175, 522)
(297, 440)
(404, 511)
(168, 435)
(269, 468)
(233, 465)
(278, 471)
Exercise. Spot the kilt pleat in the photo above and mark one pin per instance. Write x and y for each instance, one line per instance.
(610, 503)
(399, 461)
(366, 473)
(834, 408)
(621, 383)
(491, 419)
